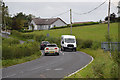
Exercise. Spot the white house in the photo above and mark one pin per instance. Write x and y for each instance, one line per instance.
(45, 24)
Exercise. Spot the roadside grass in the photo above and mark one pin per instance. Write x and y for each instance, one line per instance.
(92, 32)
(101, 67)
(16, 53)
(11, 62)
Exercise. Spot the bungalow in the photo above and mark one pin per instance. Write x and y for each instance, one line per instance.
(45, 24)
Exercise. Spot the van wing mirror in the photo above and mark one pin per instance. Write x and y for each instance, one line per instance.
(62, 42)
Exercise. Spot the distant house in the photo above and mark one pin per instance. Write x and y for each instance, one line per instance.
(45, 24)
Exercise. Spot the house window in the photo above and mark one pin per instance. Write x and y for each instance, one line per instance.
(54, 26)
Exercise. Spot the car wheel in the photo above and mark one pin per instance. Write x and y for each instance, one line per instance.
(40, 48)
(45, 54)
(57, 54)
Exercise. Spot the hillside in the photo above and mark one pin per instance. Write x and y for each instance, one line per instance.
(92, 32)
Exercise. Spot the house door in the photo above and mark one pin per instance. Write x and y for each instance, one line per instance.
(49, 27)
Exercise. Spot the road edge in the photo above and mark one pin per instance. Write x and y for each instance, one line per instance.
(81, 68)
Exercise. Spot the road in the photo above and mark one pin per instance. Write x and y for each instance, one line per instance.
(49, 66)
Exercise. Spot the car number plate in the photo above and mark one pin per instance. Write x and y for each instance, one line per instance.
(51, 51)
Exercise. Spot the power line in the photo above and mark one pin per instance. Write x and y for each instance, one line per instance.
(61, 13)
(91, 10)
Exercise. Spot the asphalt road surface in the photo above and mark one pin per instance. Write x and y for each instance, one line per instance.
(49, 66)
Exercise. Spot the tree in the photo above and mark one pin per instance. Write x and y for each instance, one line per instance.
(21, 21)
(32, 27)
(112, 17)
(5, 14)
(17, 23)
(6, 19)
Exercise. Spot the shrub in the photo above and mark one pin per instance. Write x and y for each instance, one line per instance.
(16, 33)
(84, 24)
(84, 43)
(59, 27)
(98, 69)
(53, 40)
(19, 50)
(25, 31)
(10, 41)
(39, 38)
(96, 45)
(27, 36)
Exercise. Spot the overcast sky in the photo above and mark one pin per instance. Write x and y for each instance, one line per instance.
(49, 8)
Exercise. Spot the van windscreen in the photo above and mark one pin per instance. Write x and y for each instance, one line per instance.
(69, 40)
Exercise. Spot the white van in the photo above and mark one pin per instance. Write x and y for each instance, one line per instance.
(68, 42)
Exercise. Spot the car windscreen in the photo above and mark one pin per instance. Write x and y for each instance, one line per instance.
(45, 42)
(51, 45)
(70, 40)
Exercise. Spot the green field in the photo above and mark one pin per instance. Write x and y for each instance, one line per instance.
(92, 32)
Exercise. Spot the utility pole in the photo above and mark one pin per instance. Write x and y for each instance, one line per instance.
(109, 26)
(109, 19)
(71, 20)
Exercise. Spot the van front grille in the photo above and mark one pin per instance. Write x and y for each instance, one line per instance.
(70, 45)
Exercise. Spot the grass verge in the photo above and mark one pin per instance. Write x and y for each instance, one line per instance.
(10, 62)
(103, 66)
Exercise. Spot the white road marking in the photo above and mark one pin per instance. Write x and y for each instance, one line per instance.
(48, 69)
(58, 69)
(36, 68)
(82, 67)
(9, 76)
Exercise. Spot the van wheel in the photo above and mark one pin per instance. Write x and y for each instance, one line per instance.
(74, 50)
(61, 49)
(64, 49)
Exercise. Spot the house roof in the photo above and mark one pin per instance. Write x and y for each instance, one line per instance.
(48, 21)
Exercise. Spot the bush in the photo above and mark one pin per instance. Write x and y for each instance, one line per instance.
(59, 27)
(53, 40)
(16, 33)
(39, 38)
(84, 43)
(98, 69)
(84, 24)
(19, 50)
(96, 45)
(27, 36)
(25, 31)
(21, 36)
(10, 41)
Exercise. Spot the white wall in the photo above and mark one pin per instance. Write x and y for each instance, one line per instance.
(58, 23)
(42, 27)
(35, 26)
